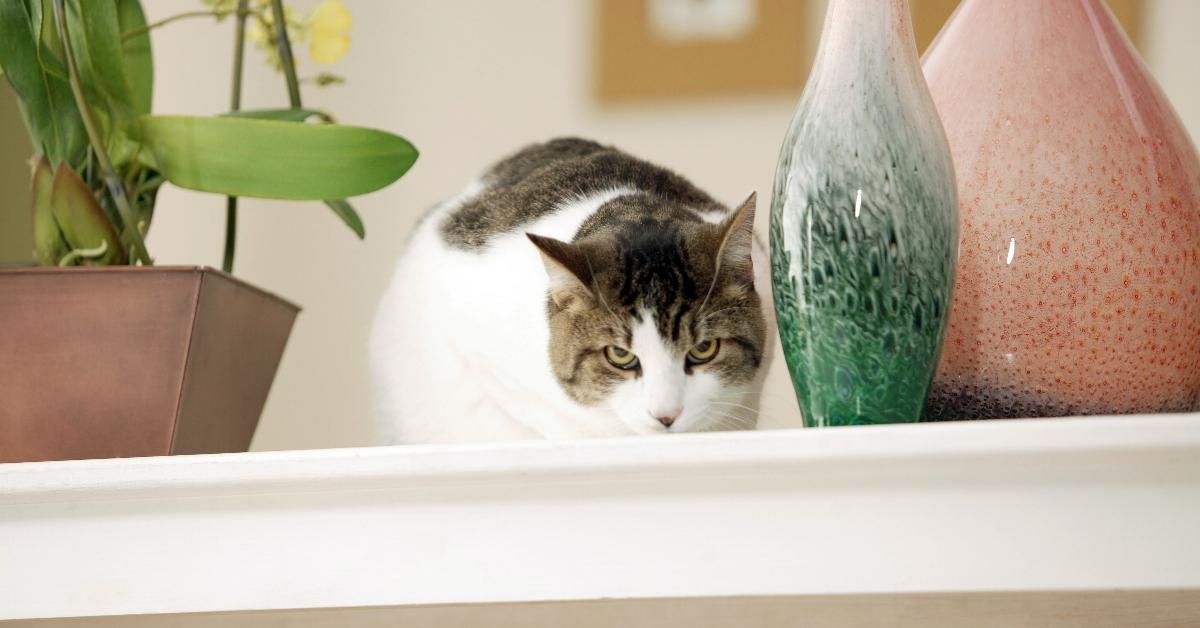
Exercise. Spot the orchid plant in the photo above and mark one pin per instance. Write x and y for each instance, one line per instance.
(83, 72)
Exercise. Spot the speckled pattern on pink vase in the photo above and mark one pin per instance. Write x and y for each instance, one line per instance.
(1078, 288)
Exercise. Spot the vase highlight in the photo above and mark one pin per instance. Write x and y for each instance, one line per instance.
(864, 225)
(1079, 284)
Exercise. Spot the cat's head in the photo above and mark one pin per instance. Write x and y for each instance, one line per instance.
(653, 314)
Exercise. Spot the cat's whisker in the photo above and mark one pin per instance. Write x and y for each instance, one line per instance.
(777, 398)
(724, 309)
(600, 293)
(735, 405)
(734, 425)
(737, 394)
(739, 414)
(728, 420)
(730, 402)
(736, 420)
(711, 286)
(740, 397)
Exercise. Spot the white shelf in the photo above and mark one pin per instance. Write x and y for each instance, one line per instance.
(1060, 514)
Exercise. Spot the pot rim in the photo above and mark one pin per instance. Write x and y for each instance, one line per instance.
(54, 270)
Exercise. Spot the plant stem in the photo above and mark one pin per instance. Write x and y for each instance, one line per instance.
(231, 216)
(89, 168)
(240, 12)
(285, 54)
(239, 52)
(235, 103)
(116, 188)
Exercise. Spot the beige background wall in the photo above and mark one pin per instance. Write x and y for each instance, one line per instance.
(466, 81)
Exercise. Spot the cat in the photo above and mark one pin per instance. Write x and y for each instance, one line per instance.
(573, 291)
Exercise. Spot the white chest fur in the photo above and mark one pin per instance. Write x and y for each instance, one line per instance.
(459, 349)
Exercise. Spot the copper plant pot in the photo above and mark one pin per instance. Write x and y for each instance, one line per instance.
(118, 361)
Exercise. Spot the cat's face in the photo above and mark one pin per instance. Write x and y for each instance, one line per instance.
(653, 314)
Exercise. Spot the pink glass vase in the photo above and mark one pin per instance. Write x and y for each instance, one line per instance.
(1078, 286)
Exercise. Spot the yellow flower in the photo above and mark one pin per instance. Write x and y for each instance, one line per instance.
(328, 26)
(260, 30)
(256, 32)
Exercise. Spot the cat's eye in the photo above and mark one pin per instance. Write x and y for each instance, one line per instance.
(620, 358)
(704, 352)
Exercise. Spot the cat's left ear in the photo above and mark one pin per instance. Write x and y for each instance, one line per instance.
(733, 255)
(568, 270)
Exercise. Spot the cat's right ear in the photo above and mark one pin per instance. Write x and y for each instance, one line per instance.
(733, 254)
(568, 269)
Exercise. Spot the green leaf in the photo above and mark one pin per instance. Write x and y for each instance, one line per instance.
(346, 212)
(50, 50)
(96, 42)
(48, 243)
(271, 159)
(139, 59)
(83, 222)
(283, 115)
(46, 101)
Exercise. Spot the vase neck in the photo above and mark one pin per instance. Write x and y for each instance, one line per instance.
(872, 30)
(1029, 34)
(1035, 18)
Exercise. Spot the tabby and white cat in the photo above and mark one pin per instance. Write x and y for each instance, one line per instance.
(573, 291)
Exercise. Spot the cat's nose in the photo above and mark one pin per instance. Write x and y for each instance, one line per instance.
(666, 418)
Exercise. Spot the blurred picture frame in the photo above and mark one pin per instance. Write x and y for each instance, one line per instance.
(656, 50)
(668, 49)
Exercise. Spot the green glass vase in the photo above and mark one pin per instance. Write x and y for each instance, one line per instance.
(864, 224)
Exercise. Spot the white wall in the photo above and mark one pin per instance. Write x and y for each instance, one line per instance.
(1172, 50)
(466, 81)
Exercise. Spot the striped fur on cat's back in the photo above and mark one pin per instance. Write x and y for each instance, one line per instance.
(572, 290)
